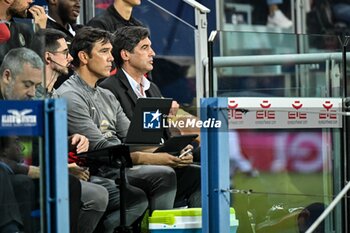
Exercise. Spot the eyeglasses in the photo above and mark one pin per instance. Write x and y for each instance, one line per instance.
(64, 52)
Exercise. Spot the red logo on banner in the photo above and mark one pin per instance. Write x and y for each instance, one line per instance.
(232, 113)
(265, 104)
(297, 115)
(264, 114)
(328, 115)
(297, 105)
(327, 105)
(235, 114)
(232, 104)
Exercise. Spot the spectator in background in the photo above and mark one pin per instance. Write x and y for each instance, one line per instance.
(22, 9)
(63, 16)
(117, 15)
(4, 15)
(4, 6)
(276, 18)
(21, 34)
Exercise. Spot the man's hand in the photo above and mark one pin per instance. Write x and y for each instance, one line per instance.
(174, 108)
(163, 159)
(39, 16)
(81, 173)
(166, 159)
(79, 143)
(187, 159)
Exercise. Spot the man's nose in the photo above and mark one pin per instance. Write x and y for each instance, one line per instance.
(31, 92)
(152, 52)
(70, 58)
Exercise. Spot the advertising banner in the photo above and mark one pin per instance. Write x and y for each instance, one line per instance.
(267, 113)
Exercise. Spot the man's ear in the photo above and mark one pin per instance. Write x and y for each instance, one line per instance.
(6, 76)
(83, 57)
(124, 55)
(47, 58)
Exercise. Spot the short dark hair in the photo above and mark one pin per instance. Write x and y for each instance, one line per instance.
(47, 40)
(127, 38)
(51, 37)
(85, 39)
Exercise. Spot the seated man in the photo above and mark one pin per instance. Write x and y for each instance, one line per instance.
(134, 58)
(21, 73)
(15, 212)
(57, 60)
(96, 113)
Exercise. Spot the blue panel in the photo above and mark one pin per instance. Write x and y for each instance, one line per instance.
(56, 148)
(21, 118)
(215, 168)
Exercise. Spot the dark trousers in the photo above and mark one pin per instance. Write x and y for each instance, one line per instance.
(188, 186)
(136, 202)
(74, 202)
(9, 211)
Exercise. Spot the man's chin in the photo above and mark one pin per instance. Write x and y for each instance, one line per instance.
(23, 14)
(62, 71)
(72, 21)
(65, 72)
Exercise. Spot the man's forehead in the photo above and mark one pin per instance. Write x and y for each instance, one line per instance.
(31, 73)
(63, 43)
(100, 44)
(145, 41)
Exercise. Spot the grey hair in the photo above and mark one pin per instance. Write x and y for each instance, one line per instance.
(15, 59)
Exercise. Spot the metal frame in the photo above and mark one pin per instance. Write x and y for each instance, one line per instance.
(55, 167)
(51, 128)
(215, 168)
(201, 47)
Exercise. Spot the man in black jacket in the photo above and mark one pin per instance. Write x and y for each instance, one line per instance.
(63, 16)
(134, 58)
(117, 15)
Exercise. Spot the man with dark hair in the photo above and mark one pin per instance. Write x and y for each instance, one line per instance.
(94, 197)
(134, 58)
(55, 53)
(96, 113)
(63, 16)
(117, 15)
